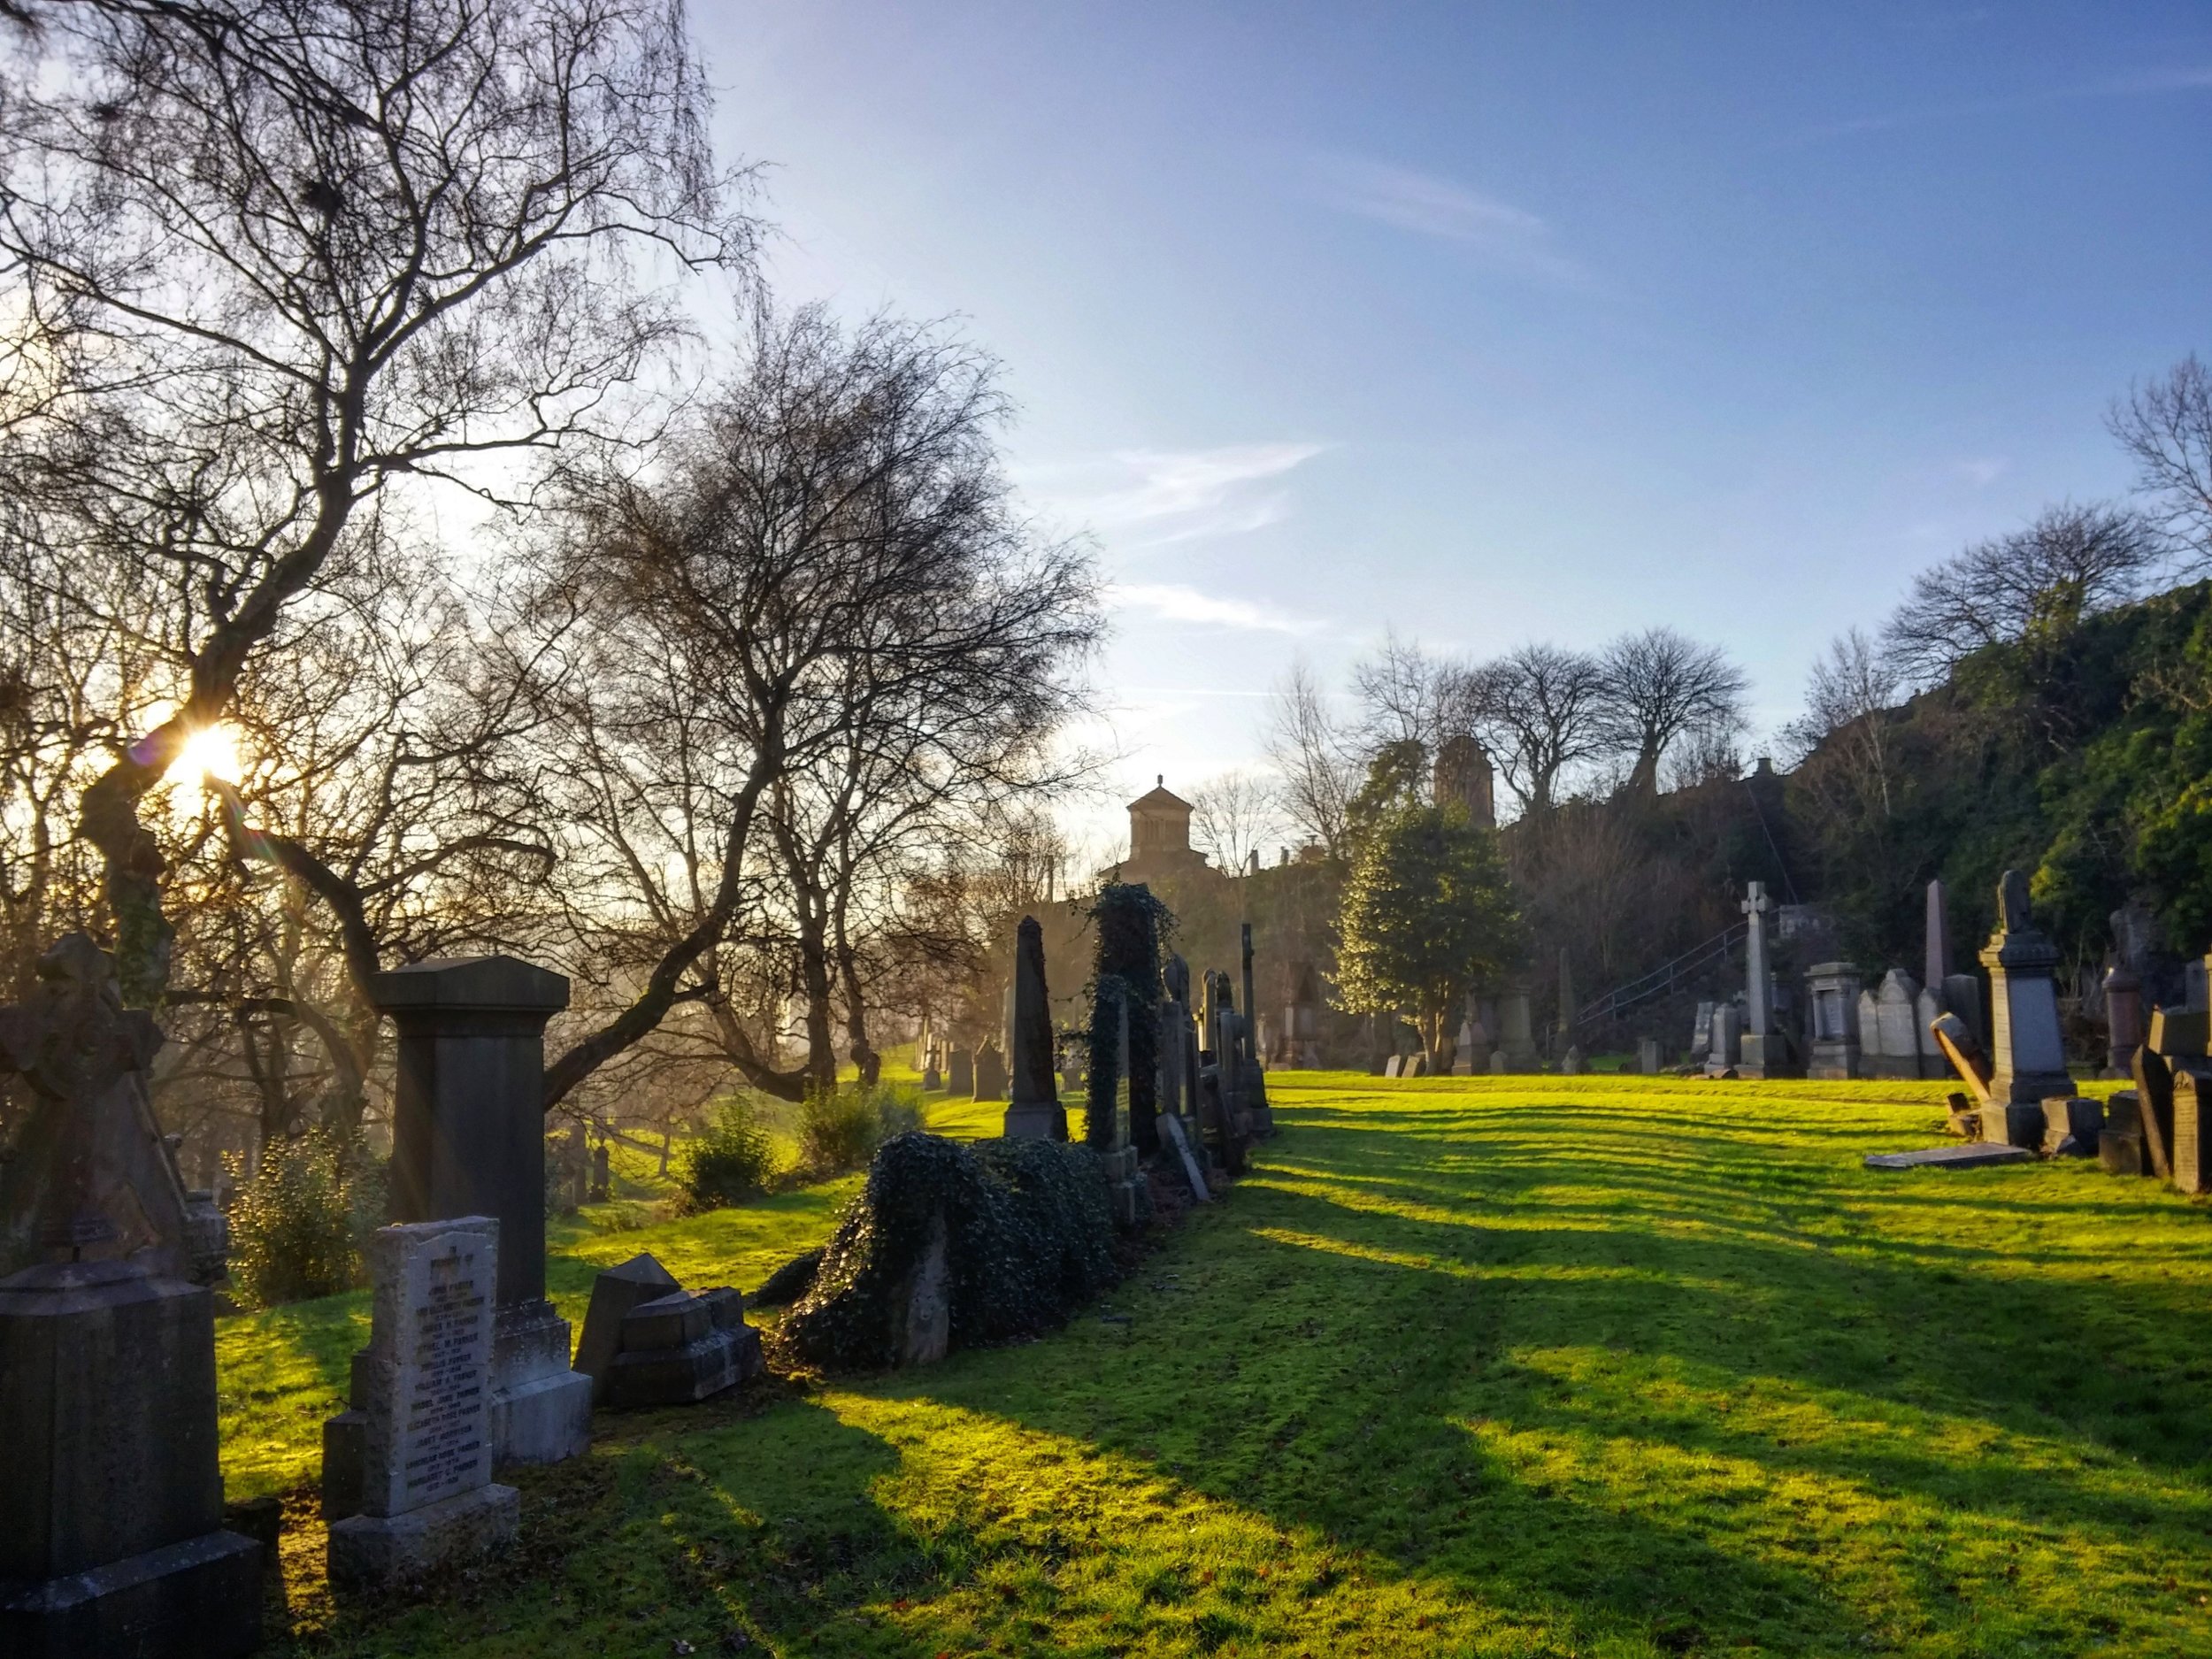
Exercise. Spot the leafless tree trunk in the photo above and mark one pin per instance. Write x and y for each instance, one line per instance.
(2166, 425)
(1657, 687)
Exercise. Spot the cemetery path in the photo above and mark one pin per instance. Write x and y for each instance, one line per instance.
(1516, 1365)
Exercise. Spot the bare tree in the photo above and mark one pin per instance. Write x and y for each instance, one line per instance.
(1234, 814)
(1848, 704)
(293, 250)
(1655, 688)
(1407, 695)
(2033, 584)
(1539, 712)
(2166, 425)
(1313, 758)
(827, 570)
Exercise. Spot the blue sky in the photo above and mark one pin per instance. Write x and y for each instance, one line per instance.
(1495, 323)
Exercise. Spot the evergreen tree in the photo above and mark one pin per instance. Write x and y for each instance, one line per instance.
(1427, 916)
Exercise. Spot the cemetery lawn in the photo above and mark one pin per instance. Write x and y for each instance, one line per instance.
(1598, 1366)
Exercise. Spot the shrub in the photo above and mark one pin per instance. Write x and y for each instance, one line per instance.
(840, 1131)
(1028, 1237)
(297, 1227)
(733, 1161)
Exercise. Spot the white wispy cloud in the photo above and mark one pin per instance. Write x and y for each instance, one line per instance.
(2148, 83)
(1508, 237)
(1981, 471)
(1149, 497)
(1173, 601)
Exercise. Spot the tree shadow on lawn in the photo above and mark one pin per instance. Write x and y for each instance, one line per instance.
(1558, 1418)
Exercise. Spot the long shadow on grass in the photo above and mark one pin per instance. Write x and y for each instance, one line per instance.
(1356, 1383)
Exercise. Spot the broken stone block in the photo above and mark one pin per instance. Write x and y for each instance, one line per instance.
(2071, 1126)
(682, 1347)
(2121, 1152)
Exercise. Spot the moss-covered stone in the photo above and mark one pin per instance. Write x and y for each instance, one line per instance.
(1027, 1239)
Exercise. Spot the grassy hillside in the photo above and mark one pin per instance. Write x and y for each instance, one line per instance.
(1521, 1366)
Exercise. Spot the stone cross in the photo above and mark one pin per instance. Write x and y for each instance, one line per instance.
(1756, 976)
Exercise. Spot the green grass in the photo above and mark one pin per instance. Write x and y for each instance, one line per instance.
(1567, 1366)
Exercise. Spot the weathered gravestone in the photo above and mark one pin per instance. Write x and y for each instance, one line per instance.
(1253, 1073)
(468, 1139)
(1035, 1113)
(1516, 1041)
(1726, 1048)
(111, 1537)
(2124, 1018)
(1648, 1056)
(613, 1294)
(1834, 990)
(960, 1074)
(990, 1073)
(682, 1347)
(1302, 1020)
(1571, 1064)
(602, 1173)
(424, 1394)
(2027, 1056)
(1896, 1052)
(1701, 1034)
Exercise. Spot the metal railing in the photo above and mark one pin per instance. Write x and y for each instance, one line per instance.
(1663, 977)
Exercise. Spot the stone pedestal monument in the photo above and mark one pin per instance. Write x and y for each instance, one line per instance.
(1035, 1112)
(425, 1480)
(2027, 1056)
(111, 1540)
(1834, 990)
(468, 1138)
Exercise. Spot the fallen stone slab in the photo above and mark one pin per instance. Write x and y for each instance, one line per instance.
(1973, 1156)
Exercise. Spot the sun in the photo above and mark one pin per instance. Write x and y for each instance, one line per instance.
(210, 752)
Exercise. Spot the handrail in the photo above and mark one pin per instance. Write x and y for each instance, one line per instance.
(1663, 977)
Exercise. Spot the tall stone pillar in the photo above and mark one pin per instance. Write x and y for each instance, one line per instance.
(1757, 1059)
(468, 1138)
(1035, 1112)
(2027, 1056)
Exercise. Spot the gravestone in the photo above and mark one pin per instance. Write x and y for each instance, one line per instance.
(1516, 1041)
(2072, 1125)
(1416, 1065)
(933, 1079)
(2196, 996)
(1726, 1049)
(1571, 1064)
(990, 1073)
(960, 1074)
(424, 1394)
(1568, 1009)
(2027, 1056)
(1927, 1008)
(613, 1294)
(1702, 1034)
(1896, 1053)
(2192, 1145)
(1936, 966)
(1870, 1031)
(1035, 1112)
(1497, 1063)
(602, 1173)
(1962, 996)
(2122, 1019)
(1834, 988)
(111, 1537)
(1391, 1067)
(1648, 1056)
(1252, 1075)
(1974, 1155)
(468, 1139)
(1302, 1020)
(1761, 1049)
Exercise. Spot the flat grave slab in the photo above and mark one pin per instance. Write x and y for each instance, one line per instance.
(1972, 1155)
